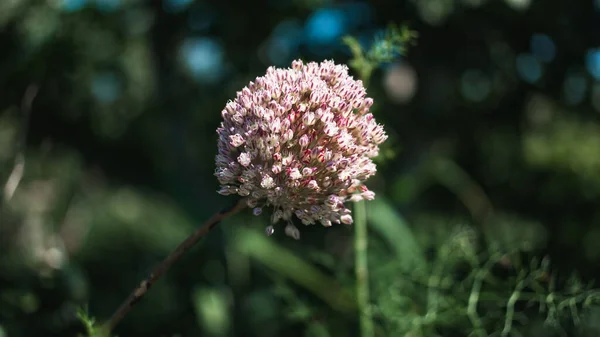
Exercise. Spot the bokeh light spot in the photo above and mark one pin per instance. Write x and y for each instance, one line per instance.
(529, 68)
(596, 96)
(502, 55)
(542, 47)
(473, 3)
(400, 82)
(592, 62)
(325, 26)
(73, 5)
(475, 85)
(201, 17)
(290, 29)
(283, 43)
(434, 12)
(176, 6)
(279, 51)
(203, 57)
(212, 311)
(539, 110)
(574, 88)
(519, 5)
(108, 5)
(357, 13)
(106, 87)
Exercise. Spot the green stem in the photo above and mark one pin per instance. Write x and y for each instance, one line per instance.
(361, 269)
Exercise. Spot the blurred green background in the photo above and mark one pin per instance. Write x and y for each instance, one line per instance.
(491, 175)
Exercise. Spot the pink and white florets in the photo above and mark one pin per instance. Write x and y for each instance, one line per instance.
(301, 140)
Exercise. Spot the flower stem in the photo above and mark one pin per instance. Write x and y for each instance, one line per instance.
(361, 269)
(139, 292)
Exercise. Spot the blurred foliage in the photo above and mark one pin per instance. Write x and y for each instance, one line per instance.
(387, 47)
(485, 222)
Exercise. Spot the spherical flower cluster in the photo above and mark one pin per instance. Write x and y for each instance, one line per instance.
(301, 140)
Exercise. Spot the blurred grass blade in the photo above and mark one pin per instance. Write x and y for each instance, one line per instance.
(265, 250)
(385, 220)
(454, 178)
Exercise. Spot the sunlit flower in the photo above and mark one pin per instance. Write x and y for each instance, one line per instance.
(301, 140)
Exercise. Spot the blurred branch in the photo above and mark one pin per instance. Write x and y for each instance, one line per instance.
(19, 165)
(141, 290)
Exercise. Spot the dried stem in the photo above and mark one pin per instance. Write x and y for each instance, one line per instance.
(140, 291)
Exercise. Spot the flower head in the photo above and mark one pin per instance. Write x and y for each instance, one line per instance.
(301, 140)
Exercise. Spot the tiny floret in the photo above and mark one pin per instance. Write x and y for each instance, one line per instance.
(300, 140)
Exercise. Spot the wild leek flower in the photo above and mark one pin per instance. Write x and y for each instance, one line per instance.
(301, 140)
